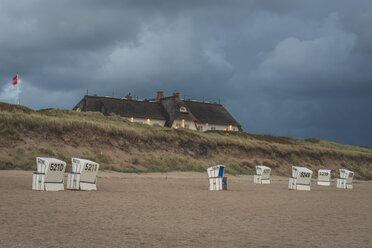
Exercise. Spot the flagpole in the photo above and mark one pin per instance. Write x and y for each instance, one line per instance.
(18, 89)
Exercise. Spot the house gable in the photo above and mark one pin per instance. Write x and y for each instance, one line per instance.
(211, 113)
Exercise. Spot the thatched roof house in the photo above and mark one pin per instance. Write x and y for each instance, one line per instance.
(165, 111)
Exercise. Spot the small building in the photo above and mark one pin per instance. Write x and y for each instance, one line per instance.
(169, 111)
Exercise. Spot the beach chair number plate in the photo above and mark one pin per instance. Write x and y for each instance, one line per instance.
(305, 174)
(90, 167)
(56, 167)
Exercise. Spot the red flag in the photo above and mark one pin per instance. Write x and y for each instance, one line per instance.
(15, 80)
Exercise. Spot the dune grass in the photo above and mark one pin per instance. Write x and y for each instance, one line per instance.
(25, 134)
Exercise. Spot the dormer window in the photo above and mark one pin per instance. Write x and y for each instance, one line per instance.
(183, 110)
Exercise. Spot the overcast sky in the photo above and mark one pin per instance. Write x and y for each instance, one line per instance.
(295, 68)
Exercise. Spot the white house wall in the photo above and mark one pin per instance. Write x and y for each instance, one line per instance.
(209, 127)
(185, 124)
(145, 121)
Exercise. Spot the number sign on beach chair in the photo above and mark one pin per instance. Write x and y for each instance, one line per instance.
(301, 178)
(83, 175)
(324, 177)
(49, 175)
(215, 174)
(262, 175)
(346, 179)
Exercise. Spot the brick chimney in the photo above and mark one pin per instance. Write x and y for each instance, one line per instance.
(176, 94)
(159, 95)
(128, 97)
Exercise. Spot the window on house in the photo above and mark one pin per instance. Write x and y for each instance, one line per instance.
(213, 128)
(183, 110)
(200, 127)
(187, 125)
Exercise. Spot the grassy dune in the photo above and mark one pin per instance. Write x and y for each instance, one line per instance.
(131, 147)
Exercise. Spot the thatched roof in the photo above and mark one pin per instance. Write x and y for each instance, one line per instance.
(124, 107)
(211, 113)
(168, 109)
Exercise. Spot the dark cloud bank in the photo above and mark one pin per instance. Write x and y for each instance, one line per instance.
(290, 68)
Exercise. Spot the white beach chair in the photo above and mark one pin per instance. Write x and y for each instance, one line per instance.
(215, 174)
(324, 177)
(49, 175)
(262, 175)
(301, 178)
(346, 179)
(83, 175)
(215, 183)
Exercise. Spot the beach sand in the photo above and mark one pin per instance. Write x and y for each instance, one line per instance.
(177, 210)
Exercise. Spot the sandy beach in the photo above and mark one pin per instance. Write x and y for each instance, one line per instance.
(177, 210)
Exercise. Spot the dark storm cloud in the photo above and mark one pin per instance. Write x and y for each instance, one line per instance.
(295, 68)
